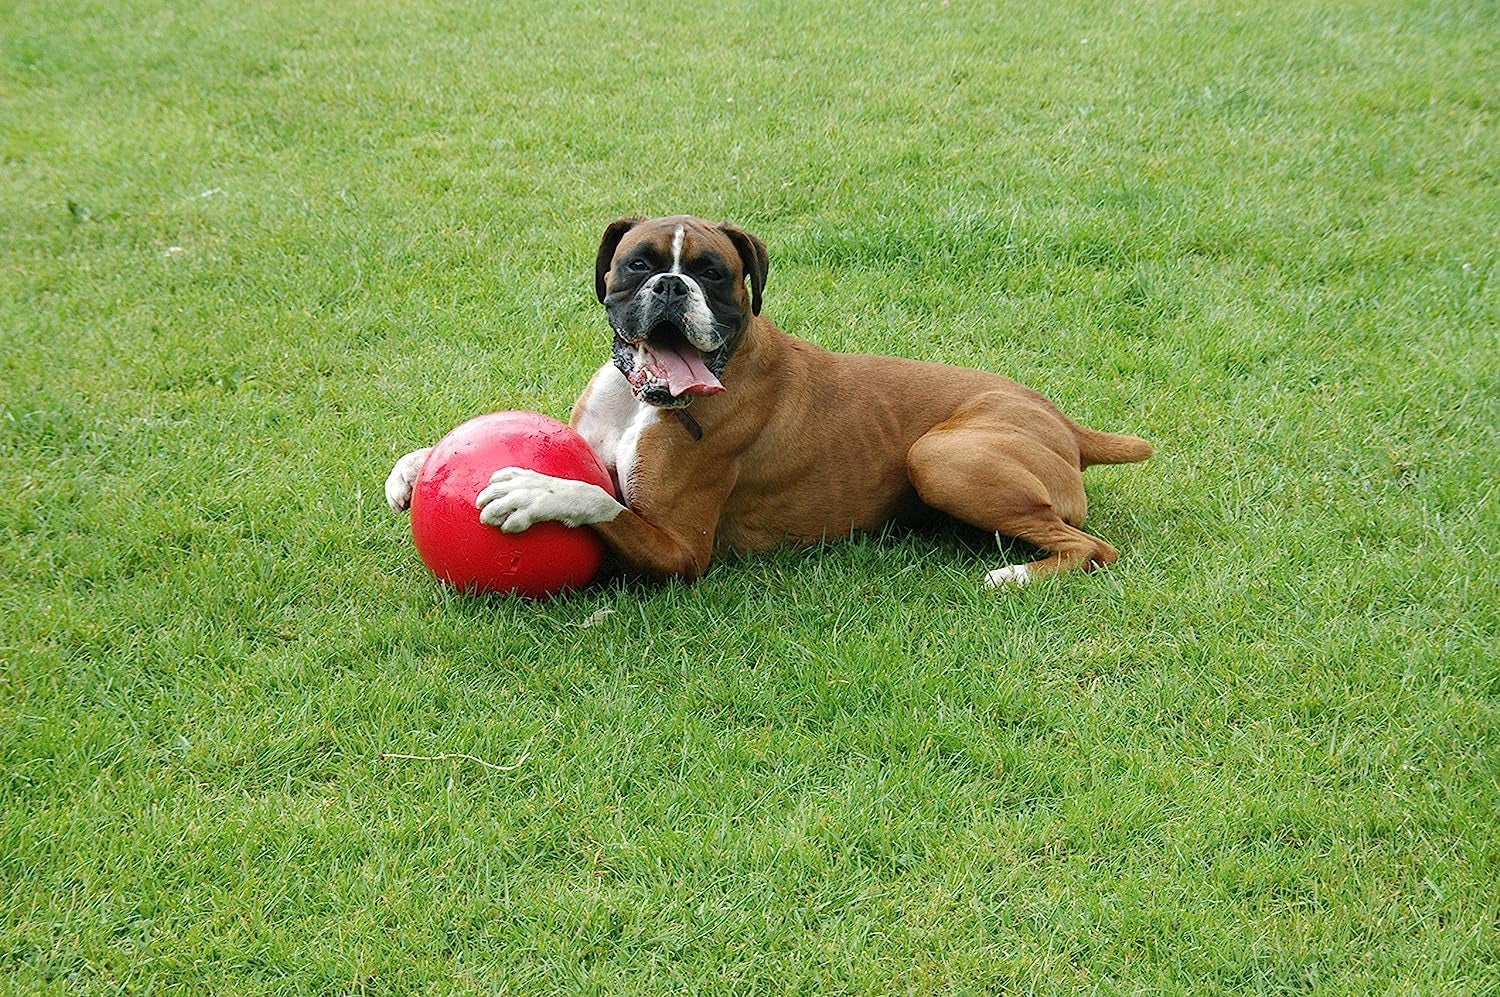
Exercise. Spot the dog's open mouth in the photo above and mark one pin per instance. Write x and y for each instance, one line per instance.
(666, 359)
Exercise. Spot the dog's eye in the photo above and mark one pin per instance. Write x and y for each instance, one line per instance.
(713, 273)
(637, 266)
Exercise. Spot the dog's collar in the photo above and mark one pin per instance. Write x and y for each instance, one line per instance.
(689, 423)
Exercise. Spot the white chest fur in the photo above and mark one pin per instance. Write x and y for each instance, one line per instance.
(612, 420)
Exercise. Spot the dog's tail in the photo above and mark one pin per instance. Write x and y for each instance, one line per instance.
(1095, 447)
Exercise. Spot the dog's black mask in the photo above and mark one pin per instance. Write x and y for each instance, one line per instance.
(674, 290)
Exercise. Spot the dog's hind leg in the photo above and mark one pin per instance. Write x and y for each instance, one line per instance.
(1001, 481)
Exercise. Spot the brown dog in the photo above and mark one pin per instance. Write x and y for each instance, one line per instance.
(723, 432)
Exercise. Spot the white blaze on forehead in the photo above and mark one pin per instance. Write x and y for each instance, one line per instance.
(677, 238)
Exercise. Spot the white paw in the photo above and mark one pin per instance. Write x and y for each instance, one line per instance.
(517, 497)
(402, 478)
(1011, 574)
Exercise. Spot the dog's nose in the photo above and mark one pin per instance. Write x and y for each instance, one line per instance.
(670, 286)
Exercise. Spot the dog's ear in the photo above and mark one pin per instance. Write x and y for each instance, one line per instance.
(753, 256)
(607, 246)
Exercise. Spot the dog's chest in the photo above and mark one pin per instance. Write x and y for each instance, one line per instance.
(612, 420)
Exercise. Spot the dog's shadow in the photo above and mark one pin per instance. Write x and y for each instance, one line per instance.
(936, 544)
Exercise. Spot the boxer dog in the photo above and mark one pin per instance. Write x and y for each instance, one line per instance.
(724, 433)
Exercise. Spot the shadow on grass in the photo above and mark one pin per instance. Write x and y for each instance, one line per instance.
(944, 546)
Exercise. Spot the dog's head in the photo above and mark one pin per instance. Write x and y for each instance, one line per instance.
(675, 292)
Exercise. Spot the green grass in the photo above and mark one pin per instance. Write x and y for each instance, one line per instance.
(250, 253)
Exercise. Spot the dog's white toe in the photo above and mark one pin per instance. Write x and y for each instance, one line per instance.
(1010, 575)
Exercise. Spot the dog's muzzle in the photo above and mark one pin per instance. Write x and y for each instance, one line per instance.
(667, 342)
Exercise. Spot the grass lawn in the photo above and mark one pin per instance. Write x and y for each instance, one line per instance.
(251, 253)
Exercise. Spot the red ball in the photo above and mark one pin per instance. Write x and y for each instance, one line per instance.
(476, 557)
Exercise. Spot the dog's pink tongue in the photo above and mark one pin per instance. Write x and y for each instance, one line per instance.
(686, 372)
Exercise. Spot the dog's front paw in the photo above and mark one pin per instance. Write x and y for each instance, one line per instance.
(403, 478)
(518, 497)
